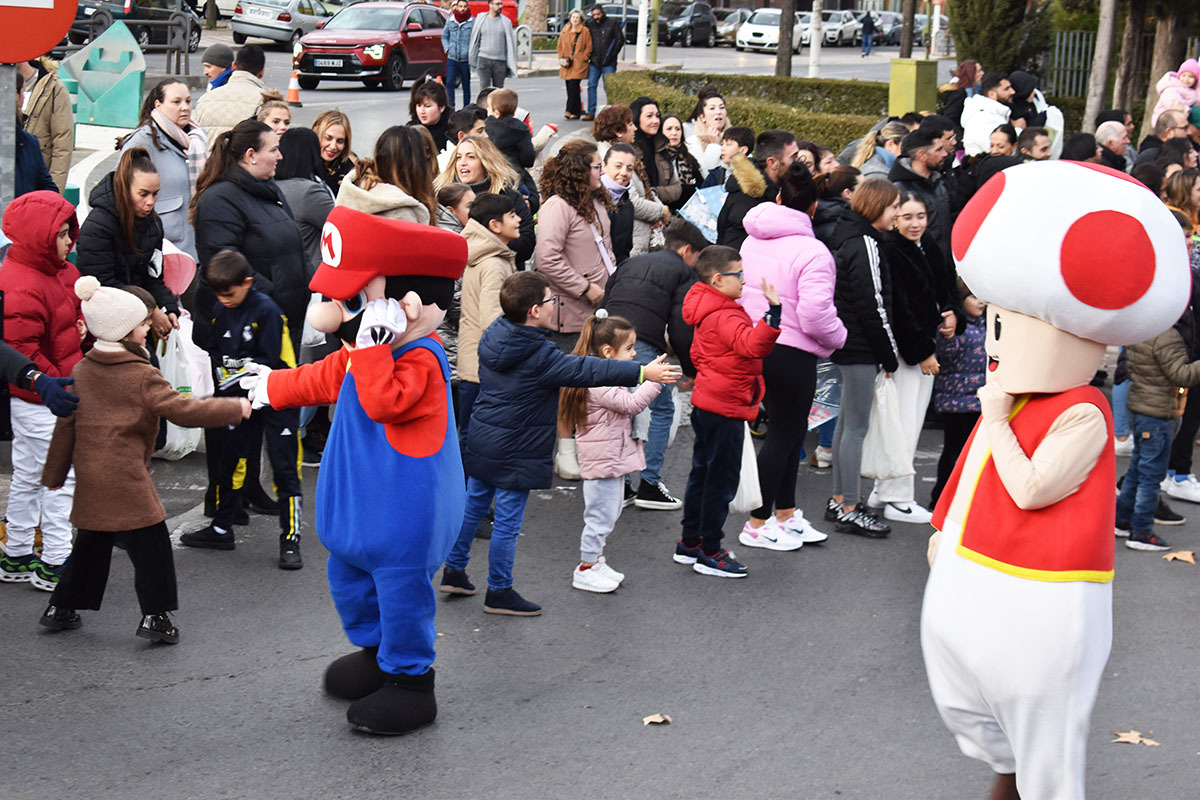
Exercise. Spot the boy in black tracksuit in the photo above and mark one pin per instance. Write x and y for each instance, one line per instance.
(249, 327)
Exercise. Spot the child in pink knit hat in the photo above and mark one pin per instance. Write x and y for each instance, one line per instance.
(1178, 90)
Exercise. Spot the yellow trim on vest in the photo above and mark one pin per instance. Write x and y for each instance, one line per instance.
(1054, 576)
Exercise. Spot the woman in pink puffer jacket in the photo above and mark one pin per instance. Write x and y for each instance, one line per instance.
(781, 249)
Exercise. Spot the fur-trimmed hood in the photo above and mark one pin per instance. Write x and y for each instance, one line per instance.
(746, 177)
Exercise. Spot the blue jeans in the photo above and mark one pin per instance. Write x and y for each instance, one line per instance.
(713, 481)
(662, 413)
(1120, 408)
(502, 549)
(462, 71)
(1139, 491)
(868, 40)
(594, 75)
(825, 433)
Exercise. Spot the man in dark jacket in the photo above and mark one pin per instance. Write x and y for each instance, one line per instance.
(648, 290)
(607, 40)
(30, 168)
(916, 171)
(1113, 139)
(754, 182)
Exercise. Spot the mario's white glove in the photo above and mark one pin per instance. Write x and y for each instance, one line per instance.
(542, 136)
(383, 321)
(256, 384)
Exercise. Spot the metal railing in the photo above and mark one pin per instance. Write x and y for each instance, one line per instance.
(178, 28)
(1068, 64)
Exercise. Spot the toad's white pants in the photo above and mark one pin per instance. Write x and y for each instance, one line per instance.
(1014, 666)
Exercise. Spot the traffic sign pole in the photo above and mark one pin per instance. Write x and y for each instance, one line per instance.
(8, 134)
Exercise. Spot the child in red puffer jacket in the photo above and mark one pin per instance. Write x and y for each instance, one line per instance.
(727, 350)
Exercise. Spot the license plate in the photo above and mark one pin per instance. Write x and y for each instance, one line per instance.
(87, 12)
(328, 62)
(261, 12)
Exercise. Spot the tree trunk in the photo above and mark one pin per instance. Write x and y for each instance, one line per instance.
(1170, 43)
(909, 10)
(787, 25)
(1100, 60)
(1124, 90)
(210, 15)
(815, 37)
(535, 16)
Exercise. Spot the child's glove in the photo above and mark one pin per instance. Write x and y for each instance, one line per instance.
(543, 136)
(383, 321)
(60, 402)
(256, 384)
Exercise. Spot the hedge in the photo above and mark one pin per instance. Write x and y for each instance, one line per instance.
(823, 95)
(758, 108)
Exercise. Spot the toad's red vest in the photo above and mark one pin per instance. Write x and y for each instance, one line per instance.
(1071, 540)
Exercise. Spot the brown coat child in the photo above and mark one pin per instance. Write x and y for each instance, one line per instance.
(109, 440)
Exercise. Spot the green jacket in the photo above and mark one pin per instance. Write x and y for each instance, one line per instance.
(1159, 376)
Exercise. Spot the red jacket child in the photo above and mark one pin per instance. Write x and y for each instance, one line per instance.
(40, 306)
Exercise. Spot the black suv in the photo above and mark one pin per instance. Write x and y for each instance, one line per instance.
(130, 11)
(693, 23)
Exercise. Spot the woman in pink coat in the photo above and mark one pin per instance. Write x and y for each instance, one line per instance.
(782, 250)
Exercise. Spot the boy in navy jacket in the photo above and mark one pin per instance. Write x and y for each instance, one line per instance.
(249, 327)
(508, 447)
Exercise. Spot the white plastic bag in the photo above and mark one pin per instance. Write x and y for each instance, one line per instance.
(199, 364)
(173, 361)
(749, 493)
(884, 448)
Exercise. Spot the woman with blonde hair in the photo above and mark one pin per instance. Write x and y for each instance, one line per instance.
(574, 50)
(333, 130)
(476, 162)
(1182, 190)
(274, 112)
(397, 183)
(879, 150)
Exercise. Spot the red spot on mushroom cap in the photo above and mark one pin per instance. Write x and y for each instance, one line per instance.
(1107, 260)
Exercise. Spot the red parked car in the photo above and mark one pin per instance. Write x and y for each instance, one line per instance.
(379, 43)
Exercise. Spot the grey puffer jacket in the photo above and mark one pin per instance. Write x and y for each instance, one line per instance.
(1160, 374)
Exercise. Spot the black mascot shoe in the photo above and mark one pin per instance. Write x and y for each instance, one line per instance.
(403, 704)
(355, 675)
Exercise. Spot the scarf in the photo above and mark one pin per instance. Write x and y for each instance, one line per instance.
(615, 190)
(193, 143)
(461, 17)
(886, 156)
(687, 175)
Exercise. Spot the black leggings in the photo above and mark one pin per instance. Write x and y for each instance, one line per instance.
(1185, 440)
(85, 574)
(791, 377)
(955, 432)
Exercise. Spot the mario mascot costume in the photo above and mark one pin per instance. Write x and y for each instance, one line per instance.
(391, 491)
(1017, 619)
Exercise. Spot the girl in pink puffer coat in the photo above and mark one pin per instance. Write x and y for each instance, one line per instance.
(603, 421)
(1178, 90)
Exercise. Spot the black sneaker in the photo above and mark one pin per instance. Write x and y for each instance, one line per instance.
(45, 576)
(860, 523)
(832, 509)
(1165, 515)
(630, 496)
(654, 496)
(507, 601)
(60, 619)
(312, 458)
(685, 554)
(158, 628)
(1146, 541)
(455, 581)
(209, 539)
(721, 564)
(242, 517)
(289, 552)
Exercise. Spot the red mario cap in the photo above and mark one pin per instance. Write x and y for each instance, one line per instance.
(356, 247)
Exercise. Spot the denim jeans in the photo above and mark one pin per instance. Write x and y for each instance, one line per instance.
(713, 481)
(825, 433)
(662, 413)
(594, 75)
(462, 71)
(868, 40)
(502, 549)
(1139, 491)
(491, 72)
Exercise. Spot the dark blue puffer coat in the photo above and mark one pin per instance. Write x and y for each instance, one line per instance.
(510, 440)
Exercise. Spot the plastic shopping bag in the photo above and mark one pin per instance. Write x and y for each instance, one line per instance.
(883, 453)
(703, 208)
(828, 395)
(173, 361)
(749, 493)
(199, 364)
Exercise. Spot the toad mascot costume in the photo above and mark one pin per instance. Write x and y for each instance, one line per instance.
(391, 491)
(1017, 619)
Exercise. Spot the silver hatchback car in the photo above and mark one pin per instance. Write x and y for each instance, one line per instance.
(279, 20)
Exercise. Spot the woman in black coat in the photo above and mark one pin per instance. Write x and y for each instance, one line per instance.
(120, 243)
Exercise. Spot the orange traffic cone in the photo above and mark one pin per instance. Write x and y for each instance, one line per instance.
(293, 93)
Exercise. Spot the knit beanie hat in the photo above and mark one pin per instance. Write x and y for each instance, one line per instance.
(219, 55)
(111, 314)
(1192, 66)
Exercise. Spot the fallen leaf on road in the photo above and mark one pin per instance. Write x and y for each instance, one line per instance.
(656, 719)
(441, 634)
(475, 631)
(1134, 737)
(1181, 555)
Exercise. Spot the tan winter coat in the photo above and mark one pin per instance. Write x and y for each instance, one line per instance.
(1159, 376)
(382, 200)
(222, 108)
(49, 118)
(110, 437)
(567, 254)
(489, 262)
(579, 38)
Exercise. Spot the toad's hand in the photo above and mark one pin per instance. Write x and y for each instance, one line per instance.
(383, 321)
(995, 404)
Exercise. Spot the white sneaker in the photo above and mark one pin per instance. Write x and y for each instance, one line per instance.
(592, 580)
(1187, 489)
(873, 500)
(824, 457)
(802, 529)
(605, 569)
(566, 460)
(908, 512)
(1123, 447)
(771, 536)
(1122, 533)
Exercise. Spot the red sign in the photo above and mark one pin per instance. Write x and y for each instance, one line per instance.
(31, 28)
